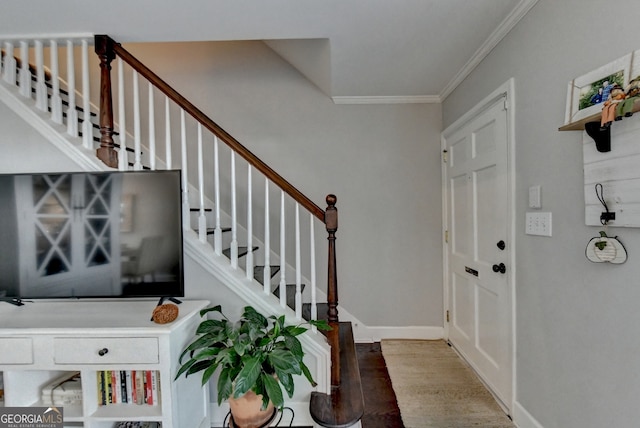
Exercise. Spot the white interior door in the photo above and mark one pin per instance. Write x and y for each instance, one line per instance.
(479, 248)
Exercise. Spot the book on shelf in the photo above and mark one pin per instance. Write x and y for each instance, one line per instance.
(64, 390)
(128, 387)
(136, 424)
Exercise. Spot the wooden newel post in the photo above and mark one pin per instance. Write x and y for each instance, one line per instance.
(106, 152)
(331, 222)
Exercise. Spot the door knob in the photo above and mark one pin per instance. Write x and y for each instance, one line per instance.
(500, 268)
(501, 244)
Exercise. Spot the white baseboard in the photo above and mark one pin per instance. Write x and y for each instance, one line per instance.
(366, 334)
(522, 418)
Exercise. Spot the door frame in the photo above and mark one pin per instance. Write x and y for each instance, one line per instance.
(506, 90)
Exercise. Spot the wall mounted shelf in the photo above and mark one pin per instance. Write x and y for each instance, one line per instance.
(579, 124)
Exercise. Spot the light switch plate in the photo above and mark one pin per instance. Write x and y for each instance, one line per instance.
(538, 224)
(535, 197)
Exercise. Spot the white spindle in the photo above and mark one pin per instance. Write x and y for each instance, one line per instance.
(267, 238)
(137, 149)
(152, 130)
(72, 113)
(123, 156)
(10, 62)
(25, 74)
(87, 127)
(298, 301)
(217, 235)
(234, 214)
(249, 261)
(185, 179)
(202, 219)
(312, 279)
(56, 101)
(41, 87)
(283, 262)
(167, 132)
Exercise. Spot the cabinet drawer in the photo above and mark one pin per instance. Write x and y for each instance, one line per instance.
(105, 350)
(16, 350)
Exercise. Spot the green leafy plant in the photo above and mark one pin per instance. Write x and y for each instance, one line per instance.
(256, 353)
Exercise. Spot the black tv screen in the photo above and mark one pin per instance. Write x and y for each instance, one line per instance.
(91, 234)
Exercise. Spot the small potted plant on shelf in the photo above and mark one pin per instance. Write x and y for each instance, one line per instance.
(256, 355)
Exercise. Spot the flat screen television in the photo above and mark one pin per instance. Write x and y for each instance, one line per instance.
(91, 235)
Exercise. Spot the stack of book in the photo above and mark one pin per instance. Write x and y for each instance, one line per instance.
(134, 424)
(129, 387)
(63, 391)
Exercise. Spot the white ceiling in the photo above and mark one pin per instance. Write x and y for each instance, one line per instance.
(353, 50)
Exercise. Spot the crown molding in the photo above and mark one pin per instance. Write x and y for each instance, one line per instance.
(410, 99)
(498, 34)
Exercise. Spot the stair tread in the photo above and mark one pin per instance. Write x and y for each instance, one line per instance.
(291, 294)
(258, 272)
(242, 251)
(322, 314)
(212, 230)
(345, 406)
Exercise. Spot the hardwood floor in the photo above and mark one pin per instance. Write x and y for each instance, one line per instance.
(380, 405)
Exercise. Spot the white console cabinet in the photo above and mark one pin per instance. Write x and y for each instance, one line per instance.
(43, 340)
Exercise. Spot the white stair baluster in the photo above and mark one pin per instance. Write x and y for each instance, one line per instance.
(167, 133)
(72, 113)
(185, 179)
(312, 279)
(249, 261)
(217, 235)
(123, 156)
(56, 101)
(152, 130)
(202, 219)
(87, 126)
(25, 74)
(283, 262)
(266, 277)
(9, 74)
(298, 301)
(41, 87)
(137, 149)
(234, 218)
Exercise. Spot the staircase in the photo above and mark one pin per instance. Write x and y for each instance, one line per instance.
(244, 255)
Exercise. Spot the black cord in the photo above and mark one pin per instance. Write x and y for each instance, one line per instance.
(600, 194)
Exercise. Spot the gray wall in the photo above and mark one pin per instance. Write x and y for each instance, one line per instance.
(577, 321)
(382, 162)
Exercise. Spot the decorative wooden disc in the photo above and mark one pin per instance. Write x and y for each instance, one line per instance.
(165, 313)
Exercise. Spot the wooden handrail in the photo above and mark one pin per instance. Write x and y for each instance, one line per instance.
(198, 115)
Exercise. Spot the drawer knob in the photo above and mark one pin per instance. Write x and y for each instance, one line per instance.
(103, 352)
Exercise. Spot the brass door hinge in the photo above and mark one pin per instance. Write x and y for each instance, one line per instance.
(444, 156)
(446, 236)
(447, 316)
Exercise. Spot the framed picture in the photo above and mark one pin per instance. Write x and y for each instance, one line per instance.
(586, 93)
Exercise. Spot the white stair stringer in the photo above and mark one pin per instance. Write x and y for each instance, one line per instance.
(54, 133)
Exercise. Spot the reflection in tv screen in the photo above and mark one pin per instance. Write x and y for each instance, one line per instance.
(91, 234)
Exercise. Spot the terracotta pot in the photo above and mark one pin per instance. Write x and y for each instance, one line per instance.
(246, 411)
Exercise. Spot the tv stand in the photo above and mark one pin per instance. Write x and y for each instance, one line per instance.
(42, 341)
(15, 302)
(172, 299)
